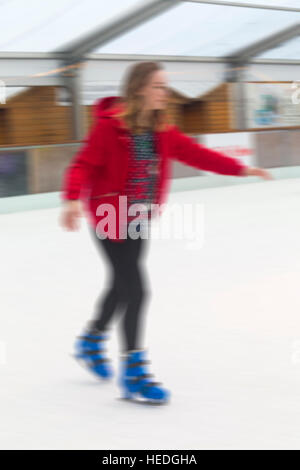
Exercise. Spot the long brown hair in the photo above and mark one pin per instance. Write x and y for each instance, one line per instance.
(138, 76)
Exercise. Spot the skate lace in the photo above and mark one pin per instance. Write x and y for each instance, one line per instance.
(145, 375)
(100, 353)
(92, 340)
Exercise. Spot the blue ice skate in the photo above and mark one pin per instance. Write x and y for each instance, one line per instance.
(89, 350)
(135, 381)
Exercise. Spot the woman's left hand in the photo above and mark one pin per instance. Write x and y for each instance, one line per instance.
(260, 172)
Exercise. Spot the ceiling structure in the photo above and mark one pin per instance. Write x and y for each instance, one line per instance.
(50, 45)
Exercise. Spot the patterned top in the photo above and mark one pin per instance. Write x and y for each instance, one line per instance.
(142, 172)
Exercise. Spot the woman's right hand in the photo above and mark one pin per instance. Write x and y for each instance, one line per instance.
(69, 218)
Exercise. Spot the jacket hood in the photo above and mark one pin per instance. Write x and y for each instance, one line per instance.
(106, 106)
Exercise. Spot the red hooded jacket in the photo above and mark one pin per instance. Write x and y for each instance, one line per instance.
(98, 171)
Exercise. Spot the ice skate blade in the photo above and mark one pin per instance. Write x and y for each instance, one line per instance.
(84, 365)
(143, 400)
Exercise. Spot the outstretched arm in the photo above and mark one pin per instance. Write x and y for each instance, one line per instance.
(189, 152)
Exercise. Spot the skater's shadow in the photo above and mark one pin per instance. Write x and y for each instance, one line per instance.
(143, 403)
(93, 383)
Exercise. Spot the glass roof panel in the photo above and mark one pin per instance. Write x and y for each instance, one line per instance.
(42, 26)
(188, 29)
(195, 29)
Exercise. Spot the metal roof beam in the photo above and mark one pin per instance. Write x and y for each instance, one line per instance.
(245, 5)
(77, 49)
(265, 44)
(134, 57)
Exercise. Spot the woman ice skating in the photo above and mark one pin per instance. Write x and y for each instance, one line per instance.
(127, 153)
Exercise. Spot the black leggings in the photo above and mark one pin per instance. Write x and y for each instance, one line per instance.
(127, 289)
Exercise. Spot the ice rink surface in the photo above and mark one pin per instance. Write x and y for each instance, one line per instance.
(222, 330)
